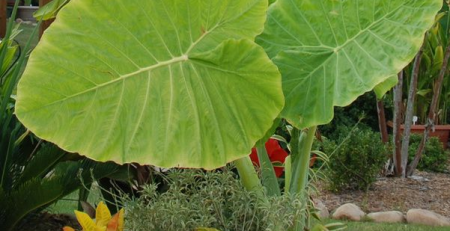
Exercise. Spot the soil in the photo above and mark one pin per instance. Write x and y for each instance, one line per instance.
(48, 222)
(424, 190)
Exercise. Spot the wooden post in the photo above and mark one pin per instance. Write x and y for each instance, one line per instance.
(398, 105)
(382, 121)
(3, 16)
(45, 24)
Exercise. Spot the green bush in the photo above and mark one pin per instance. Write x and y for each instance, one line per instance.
(356, 161)
(208, 199)
(434, 157)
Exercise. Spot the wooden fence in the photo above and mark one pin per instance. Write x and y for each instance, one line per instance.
(3, 18)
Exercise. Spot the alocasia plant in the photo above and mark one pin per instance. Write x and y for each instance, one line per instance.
(169, 83)
(181, 83)
(330, 52)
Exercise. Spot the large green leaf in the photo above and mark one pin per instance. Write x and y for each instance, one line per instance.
(381, 89)
(162, 82)
(49, 10)
(331, 51)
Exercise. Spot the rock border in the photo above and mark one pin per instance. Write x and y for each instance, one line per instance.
(352, 212)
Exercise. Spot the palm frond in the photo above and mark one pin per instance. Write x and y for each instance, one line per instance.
(28, 197)
(45, 159)
(73, 174)
(7, 151)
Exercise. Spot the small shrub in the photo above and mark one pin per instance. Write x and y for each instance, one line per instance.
(434, 157)
(362, 107)
(208, 199)
(358, 160)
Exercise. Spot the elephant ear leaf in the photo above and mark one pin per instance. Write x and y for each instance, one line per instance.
(383, 87)
(331, 51)
(49, 10)
(162, 82)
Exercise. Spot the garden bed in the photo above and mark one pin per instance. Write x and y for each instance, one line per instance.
(47, 221)
(425, 190)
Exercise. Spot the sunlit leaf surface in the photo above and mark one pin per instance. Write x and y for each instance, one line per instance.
(331, 51)
(162, 82)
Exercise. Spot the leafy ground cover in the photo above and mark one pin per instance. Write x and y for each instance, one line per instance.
(431, 194)
(50, 221)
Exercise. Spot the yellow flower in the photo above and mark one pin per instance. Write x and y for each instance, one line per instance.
(103, 221)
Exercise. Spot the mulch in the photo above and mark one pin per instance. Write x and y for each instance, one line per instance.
(48, 222)
(425, 190)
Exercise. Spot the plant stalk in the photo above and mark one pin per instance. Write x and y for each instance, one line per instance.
(301, 155)
(249, 177)
(287, 173)
(300, 165)
(268, 177)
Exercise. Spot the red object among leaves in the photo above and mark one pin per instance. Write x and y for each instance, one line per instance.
(276, 155)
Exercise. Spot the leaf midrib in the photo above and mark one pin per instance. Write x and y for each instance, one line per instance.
(177, 59)
(123, 77)
(183, 57)
(349, 40)
(338, 48)
(368, 28)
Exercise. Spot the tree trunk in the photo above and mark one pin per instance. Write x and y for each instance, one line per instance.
(382, 121)
(397, 157)
(45, 24)
(410, 109)
(3, 18)
(432, 113)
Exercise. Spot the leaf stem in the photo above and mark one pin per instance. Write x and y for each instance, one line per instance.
(248, 176)
(268, 177)
(300, 160)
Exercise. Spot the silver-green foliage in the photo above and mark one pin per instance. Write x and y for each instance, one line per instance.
(208, 199)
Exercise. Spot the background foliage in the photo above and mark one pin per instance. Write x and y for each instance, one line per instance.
(434, 159)
(357, 161)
